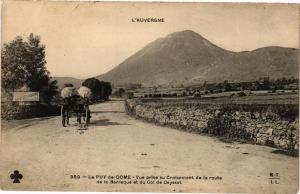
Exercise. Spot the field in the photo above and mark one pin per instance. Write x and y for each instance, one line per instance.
(226, 98)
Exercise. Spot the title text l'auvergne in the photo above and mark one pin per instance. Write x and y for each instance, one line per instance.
(147, 20)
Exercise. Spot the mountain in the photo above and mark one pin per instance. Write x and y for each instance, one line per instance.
(63, 80)
(186, 57)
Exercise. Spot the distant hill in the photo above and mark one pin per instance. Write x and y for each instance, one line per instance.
(63, 80)
(186, 57)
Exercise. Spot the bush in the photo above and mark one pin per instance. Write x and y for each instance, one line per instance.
(241, 94)
(68, 85)
(119, 92)
(15, 111)
(130, 95)
(197, 95)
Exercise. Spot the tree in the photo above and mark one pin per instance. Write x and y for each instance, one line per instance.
(266, 83)
(107, 90)
(95, 86)
(23, 63)
(50, 91)
(204, 85)
(100, 89)
(13, 66)
(120, 92)
(227, 86)
(39, 77)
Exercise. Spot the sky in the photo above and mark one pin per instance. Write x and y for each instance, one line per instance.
(86, 39)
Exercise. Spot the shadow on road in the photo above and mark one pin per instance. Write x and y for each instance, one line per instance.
(107, 112)
(105, 122)
(22, 123)
(293, 153)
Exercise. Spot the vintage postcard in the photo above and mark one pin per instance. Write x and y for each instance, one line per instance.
(149, 97)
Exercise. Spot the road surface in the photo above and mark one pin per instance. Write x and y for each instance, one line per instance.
(47, 155)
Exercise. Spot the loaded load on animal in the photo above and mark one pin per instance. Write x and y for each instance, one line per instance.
(76, 102)
(67, 92)
(85, 92)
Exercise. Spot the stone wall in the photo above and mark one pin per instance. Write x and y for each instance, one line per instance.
(12, 110)
(272, 125)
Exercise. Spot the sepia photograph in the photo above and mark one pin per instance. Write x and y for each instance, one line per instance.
(149, 97)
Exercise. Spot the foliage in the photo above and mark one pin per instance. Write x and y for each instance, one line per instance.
(24, 64)
(68, 85)
(241, 94)
(13, 67)
(119, 92)
(107, 90)
(94, 84)
(227, 86)
(101, 90)
(11, 110)
(262, 83)
(133, 86)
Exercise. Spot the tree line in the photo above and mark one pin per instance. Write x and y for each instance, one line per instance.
(262, 83)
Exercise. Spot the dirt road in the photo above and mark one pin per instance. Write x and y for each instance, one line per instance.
(47, 154)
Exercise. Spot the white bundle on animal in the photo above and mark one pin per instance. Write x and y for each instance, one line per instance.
(85, 92)
(67, 92)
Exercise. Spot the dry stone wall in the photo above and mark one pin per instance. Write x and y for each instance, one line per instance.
(11, 110)
(272, 125)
